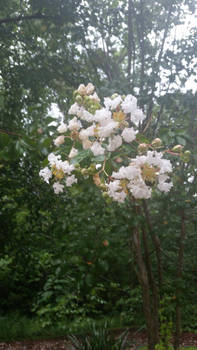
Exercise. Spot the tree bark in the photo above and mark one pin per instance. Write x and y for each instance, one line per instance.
(179, 275)
(145, 285)
(153, 287)
(156, 243)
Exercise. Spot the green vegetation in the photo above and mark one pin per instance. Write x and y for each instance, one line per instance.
(67, 261)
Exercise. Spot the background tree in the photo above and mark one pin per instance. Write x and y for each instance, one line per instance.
(47, 49)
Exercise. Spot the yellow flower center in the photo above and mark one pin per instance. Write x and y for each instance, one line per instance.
(149, 173)
(119, 116)
(58, 173)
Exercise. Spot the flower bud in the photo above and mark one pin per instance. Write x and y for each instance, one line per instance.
(79, 99)
(177, 148)
(125, 124)
(84, 171)
(143, 147)
(59, 140)
(96, 179)
(103, 187)
(77, 167)
(105, 195)
(114, 96)
(105, 243)
(82, 89)
(92, 169)
(89, 89)
(40, 131)
(75, 93)
(156, 142)
(118, 160)
(185, 157)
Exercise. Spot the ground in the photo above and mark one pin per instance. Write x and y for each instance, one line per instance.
(187, 339)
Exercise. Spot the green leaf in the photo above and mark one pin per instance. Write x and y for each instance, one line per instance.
(81, 156)
(4, 140)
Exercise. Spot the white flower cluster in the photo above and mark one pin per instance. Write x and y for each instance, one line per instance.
(60, 170)
(104, 129)
(108, 126)
(137, 178)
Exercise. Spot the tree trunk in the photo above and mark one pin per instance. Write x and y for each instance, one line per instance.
(179, 275)
(148, 298)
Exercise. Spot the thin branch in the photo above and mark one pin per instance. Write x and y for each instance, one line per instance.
(26, 18)
(179, 275)
(130, 38)
(156, 66)
(9, 133)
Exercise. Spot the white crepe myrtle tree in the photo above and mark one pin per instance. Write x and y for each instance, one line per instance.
(102, 141)
(106, 134)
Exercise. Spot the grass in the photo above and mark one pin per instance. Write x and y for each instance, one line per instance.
(13, 327)
(17, 327)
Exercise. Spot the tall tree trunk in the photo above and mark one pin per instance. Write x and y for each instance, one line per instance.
(179, 275)
(156, 243)
(153, 286)
(152, 332)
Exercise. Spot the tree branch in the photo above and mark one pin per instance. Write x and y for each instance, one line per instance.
(9, 133)
(26, 18)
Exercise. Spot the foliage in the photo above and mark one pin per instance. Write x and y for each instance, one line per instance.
(52, 258)
(99, 339)
(166, 312)
(15, 326)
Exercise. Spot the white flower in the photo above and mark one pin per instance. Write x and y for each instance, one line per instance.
(85, 115)
(164, 186)
(114, 143)
(114, 191)
(66, 167)
(58, 188)
(107, 130)
(74, 109)
(98, 166)
(128, 134)
(85, 133)
(140, 190)
(71, 180)
(112, 103)
(95, 97)
(165, 166)
(102, 116)
(73, 152)
(163, 177)
(86, 143)
(129, 104)
(59, 140)
(89, 89)
(62, 128)
(137, 116)
(53, 159)
(113, 186)
(127, 172)
(46, 174)
(97, 149)
(74, 124)
(119, 196)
